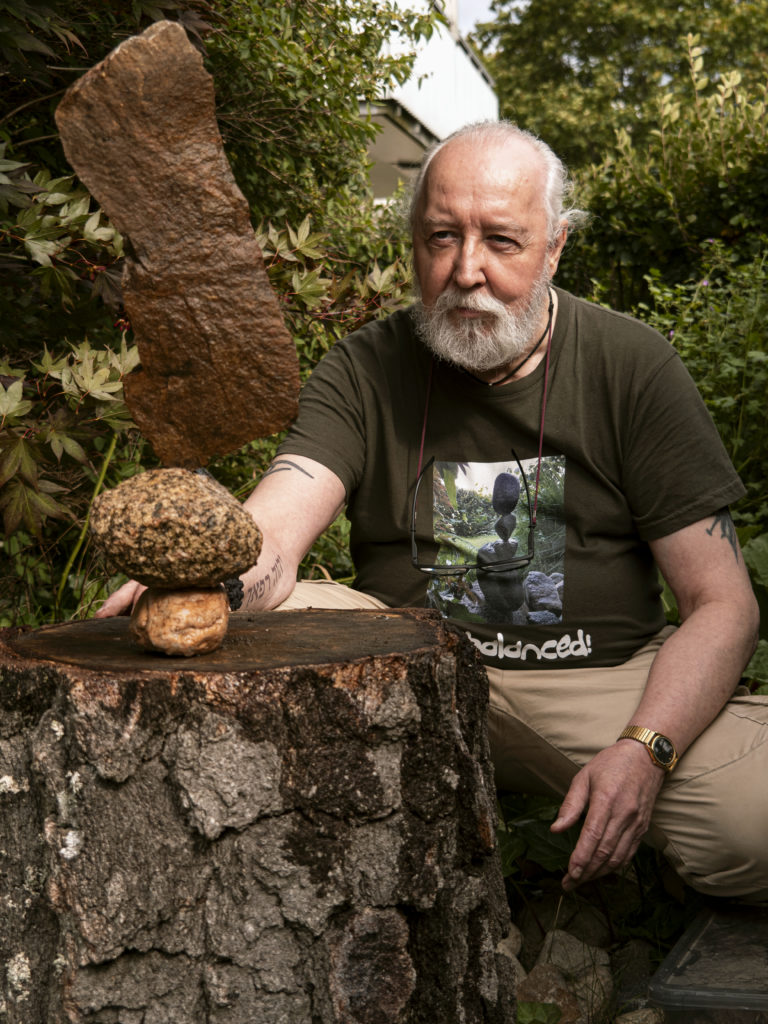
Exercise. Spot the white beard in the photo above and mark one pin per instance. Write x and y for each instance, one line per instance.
(484, 344)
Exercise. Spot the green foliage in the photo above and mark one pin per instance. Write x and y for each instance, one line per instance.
(326, 293)
(580, 72)
(292, 79)
(60, 261)
(755, 552)
(289, 78)
(757, 670)
(701, 173)
(464, 513)
(60, 422)
(538, 1013)
(524, 834)
(718, 325)
(756, 556)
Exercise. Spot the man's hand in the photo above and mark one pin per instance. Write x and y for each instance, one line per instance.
(618, 788)
(122, 602)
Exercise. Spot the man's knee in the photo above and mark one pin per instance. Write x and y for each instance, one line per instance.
(733, 867)
(715, 828)
(328, 594)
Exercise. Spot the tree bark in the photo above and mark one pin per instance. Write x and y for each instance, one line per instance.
(297, 828)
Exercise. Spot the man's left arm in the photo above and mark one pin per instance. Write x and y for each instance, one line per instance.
(694, 674)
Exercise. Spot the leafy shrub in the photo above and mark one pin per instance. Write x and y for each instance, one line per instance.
(291, 81)
(576, 79)
(65, 433)
(701, 174)
(61, 319)
(60, 261)
(718, 325)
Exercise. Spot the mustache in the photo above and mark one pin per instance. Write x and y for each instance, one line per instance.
(454, 298)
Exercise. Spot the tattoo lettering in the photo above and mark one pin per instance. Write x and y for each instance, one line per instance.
(727, 530)
(263, 588)
(283, 466)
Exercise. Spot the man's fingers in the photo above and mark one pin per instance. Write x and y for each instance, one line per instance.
(122, 601)
(573, 805)
(596, 851)
(596, 843)
(608, 841)
(618, 859)
(618, 797)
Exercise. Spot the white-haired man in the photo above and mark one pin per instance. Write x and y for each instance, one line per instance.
(524, 461)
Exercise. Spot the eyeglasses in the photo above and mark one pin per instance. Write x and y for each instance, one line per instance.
(484, 563)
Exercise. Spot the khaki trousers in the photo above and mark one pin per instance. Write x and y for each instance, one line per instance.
(711, 816)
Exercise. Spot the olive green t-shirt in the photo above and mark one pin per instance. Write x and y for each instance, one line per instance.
(629, 455)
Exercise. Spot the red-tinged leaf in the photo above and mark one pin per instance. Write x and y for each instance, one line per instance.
(22, 505)
(18, 457)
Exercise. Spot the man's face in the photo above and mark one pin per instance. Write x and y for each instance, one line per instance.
(481, 240)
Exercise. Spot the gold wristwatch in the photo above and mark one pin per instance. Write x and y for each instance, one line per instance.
(660, 748)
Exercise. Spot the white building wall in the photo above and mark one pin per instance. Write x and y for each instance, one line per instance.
(448, 88)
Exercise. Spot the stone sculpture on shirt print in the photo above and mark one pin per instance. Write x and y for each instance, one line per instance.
(480, 513)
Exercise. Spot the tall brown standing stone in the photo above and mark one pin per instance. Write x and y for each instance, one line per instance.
(218, 365)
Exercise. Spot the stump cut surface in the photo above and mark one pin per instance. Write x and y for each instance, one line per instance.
(263, 640)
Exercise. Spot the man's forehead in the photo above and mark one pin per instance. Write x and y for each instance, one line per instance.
(504, 177)
(513, 157)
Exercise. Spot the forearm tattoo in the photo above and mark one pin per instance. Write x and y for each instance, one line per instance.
(727, 530)
(285, 465)
(263, 587)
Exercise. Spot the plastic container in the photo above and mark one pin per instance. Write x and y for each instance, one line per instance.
(717, 973)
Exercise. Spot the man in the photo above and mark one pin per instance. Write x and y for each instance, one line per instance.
(523, 461)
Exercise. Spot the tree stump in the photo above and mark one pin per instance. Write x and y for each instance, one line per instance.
(296, 828)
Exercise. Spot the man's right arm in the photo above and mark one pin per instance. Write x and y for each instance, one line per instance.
(295, 500)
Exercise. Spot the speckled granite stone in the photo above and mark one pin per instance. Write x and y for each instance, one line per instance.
(174, 528)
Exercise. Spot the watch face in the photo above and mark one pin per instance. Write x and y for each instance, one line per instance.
(663, 750)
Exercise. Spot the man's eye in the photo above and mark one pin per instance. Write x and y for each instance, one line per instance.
(441, 236)
(502, 240)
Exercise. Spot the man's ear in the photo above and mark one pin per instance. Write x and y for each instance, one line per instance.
(555, 250)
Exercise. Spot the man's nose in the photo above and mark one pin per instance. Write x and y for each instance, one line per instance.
(468, 267)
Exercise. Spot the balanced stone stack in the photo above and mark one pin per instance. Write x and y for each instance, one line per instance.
(218, 367)
(180, 534)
